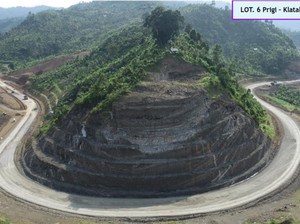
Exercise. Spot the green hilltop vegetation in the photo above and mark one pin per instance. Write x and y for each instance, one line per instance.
(123, 59)
(94, 82)
(256, 47)
(221, 78)
(79, 27)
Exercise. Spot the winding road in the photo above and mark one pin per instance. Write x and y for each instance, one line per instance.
(279, 172)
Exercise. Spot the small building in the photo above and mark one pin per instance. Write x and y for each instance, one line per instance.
(174, 50)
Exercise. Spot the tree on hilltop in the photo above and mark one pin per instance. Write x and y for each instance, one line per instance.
(164, 24)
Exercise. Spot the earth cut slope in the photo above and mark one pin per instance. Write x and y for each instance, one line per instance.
(168, 137)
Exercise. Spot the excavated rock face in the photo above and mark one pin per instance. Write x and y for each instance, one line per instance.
(164, 139)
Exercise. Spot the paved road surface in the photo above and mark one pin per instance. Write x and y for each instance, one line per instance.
(274, 176)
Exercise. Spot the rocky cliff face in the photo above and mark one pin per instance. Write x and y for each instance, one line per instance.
(166, 138)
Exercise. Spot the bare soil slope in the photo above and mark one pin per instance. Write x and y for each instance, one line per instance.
(165, 138)
(21, 76)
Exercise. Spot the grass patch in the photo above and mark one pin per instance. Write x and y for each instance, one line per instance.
(52, 97)
(193, 85)
(212, 85)
(268, 127)
(283, 104)
(4, 220)
(56, 89)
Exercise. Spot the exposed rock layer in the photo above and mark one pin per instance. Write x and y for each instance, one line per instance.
(163, 139)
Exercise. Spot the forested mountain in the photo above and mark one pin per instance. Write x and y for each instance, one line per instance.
(8, 24)
(295, 36)
(6, 13)
(123, 60)
(78, 27)
(254, 45)
(12, 17)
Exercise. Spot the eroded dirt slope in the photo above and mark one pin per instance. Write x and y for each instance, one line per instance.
(168, 137)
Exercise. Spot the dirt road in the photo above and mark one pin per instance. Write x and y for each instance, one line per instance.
(273, 177)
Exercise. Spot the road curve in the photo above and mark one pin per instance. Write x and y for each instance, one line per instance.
(279, 172)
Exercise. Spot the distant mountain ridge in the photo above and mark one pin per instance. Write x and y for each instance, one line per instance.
(12, 17)
(79, 27)
(7, 24)
(7, 13)
(256, 47)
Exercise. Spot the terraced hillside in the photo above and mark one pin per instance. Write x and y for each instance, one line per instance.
(167, 137)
